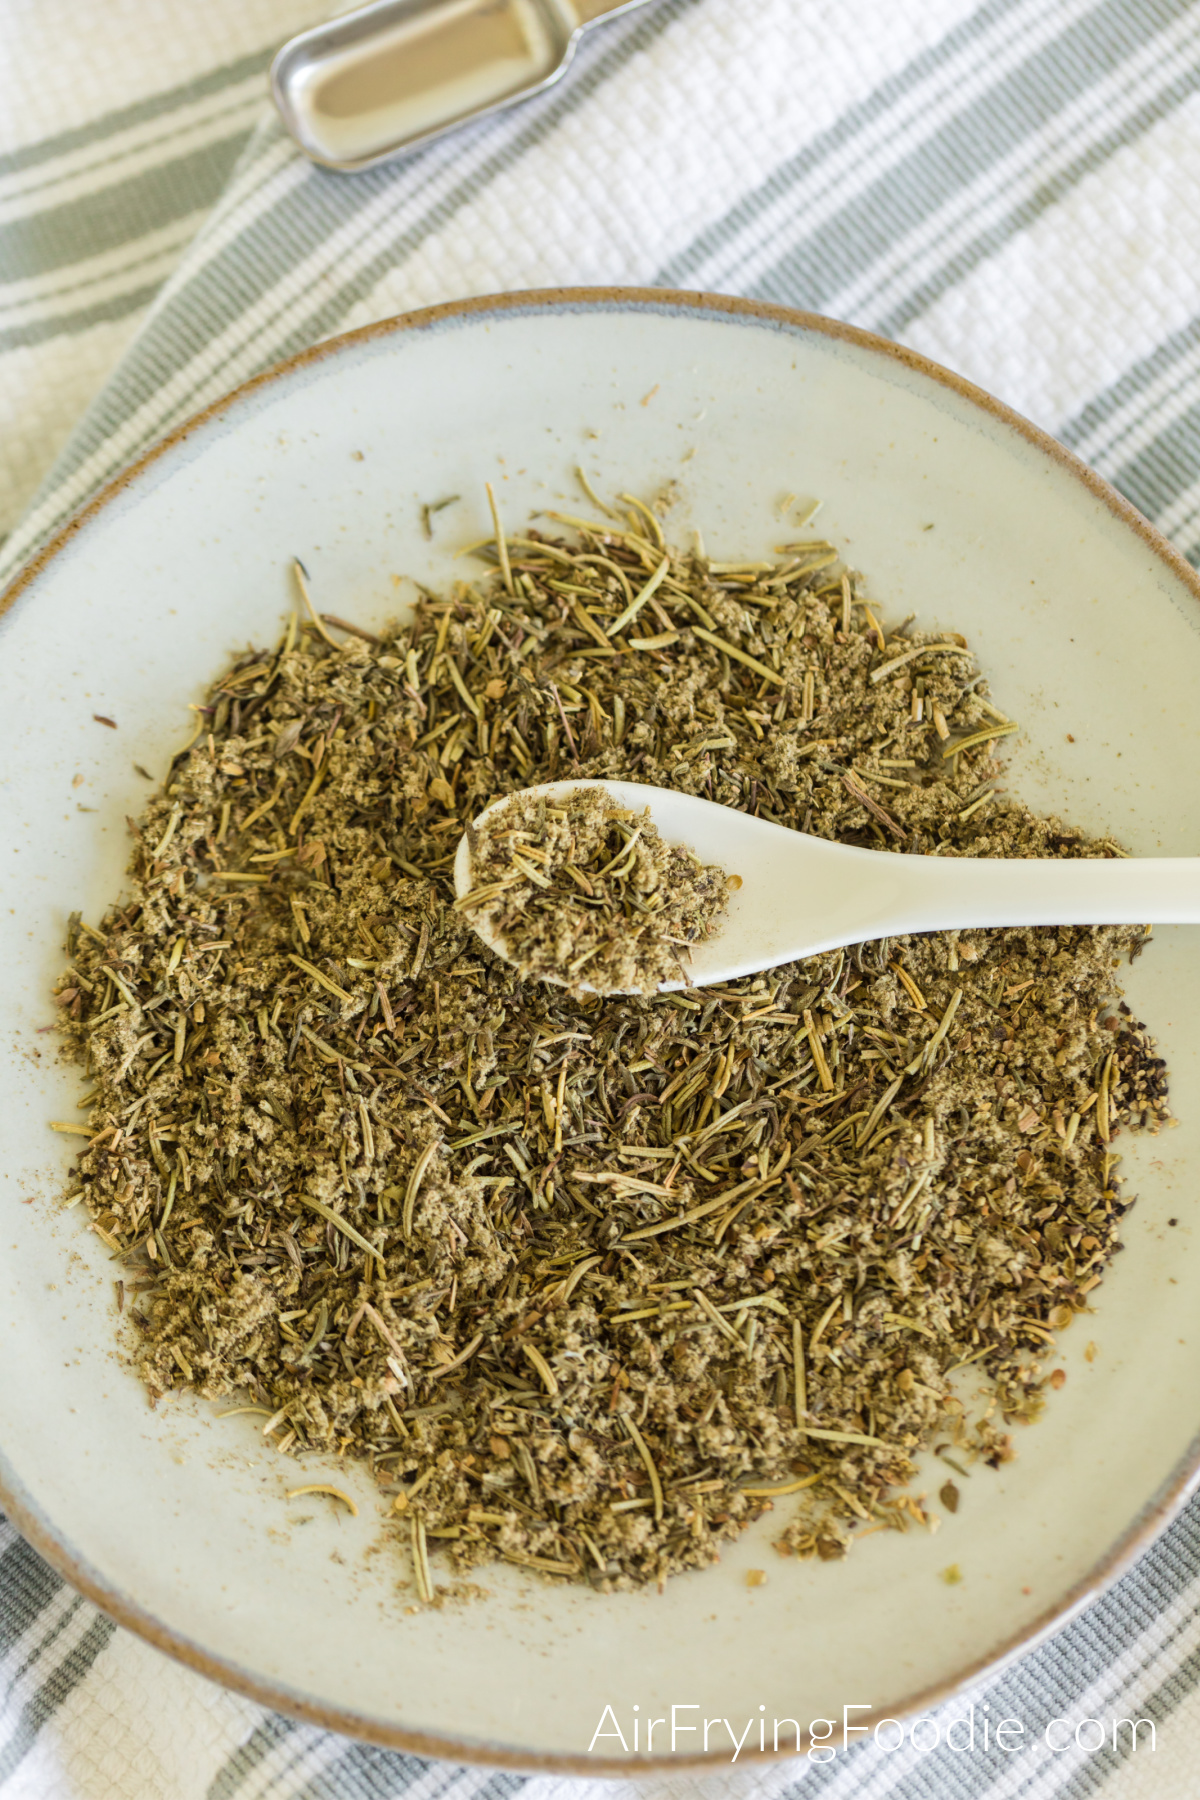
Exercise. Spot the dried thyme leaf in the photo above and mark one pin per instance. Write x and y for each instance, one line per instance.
(518, 1247)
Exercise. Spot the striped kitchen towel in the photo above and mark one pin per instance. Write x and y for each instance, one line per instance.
(1010, 187)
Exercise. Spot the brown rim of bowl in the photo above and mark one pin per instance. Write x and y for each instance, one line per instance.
(1158, 1511)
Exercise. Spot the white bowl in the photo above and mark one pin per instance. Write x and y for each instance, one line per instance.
(1087, 624)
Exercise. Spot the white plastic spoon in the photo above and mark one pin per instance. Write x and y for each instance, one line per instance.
(801, 894)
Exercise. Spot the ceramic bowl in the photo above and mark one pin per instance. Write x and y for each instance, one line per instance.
(1086, 622)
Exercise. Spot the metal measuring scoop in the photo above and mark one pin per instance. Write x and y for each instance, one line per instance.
(800, 894)
(394, 74)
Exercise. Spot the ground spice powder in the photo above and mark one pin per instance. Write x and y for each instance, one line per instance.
(593, 1281)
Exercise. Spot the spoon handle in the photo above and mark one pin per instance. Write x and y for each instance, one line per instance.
(948, 893)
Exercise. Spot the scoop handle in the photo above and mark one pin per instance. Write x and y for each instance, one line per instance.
(949, 893)
(803, 895)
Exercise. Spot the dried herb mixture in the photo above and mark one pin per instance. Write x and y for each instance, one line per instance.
(588, 893)
(588, 1280)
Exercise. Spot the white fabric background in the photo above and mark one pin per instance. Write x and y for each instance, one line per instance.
(1009, 187)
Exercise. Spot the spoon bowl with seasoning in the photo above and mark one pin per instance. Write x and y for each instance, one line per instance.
(793, 895)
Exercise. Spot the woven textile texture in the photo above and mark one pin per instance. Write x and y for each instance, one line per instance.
(1010, 187)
